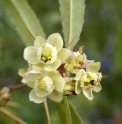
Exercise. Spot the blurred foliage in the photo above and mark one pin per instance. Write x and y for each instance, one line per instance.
(101, 36)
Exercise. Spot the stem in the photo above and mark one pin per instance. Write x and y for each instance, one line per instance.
(47, 112)
(13, 104)
(67, 111)
(17, 119)
(18, 87)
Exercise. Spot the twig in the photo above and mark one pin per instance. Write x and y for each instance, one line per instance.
(13, 104)
(20, 121)
(47, 112)
(18, 87)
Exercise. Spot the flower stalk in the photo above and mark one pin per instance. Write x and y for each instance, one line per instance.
(47, 112)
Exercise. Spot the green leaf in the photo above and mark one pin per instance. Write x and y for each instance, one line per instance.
(24, 19)
(62, 110)
(28, 16)
(18, 22)
(76, 119)
(72, 16)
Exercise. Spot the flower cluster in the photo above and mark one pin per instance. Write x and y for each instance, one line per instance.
(4, 96)
(55, 71)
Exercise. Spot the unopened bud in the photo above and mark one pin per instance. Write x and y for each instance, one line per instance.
(80, 58)
(68, 67)
(4, 95)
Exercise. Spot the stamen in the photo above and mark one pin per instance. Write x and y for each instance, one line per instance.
(92, 82)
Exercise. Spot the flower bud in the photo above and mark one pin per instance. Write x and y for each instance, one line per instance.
(68, 67)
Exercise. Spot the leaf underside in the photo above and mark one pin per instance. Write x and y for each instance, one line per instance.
(72, 16)
(18, 22)
(24, 19)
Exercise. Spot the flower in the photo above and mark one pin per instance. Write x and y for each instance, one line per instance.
(75, 61)
(5, 96)
(80, 78)
(69, 87)
(47, 54)
(89, 80)
(55, 71)
(22, 73)
(49, 84)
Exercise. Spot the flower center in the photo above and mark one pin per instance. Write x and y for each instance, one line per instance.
(76, 62)
(46, 54)
(42, 85)
(91, 79)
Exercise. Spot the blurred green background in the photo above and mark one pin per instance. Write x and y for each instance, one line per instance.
(102, 38)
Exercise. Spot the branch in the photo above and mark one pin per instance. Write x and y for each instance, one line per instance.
(19, 86)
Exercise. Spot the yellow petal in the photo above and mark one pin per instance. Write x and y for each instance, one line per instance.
(88, 93)
(93, 67)
(33, 97)
(30, 55)
(39, 41)
(81, 74)
(22, 71)
(24, 80)
(77, 87)
(63, 54)
(33, 75)
(97, 88)
(53, 66)
(56, 96)
(30, 84)
(38, 67)
(58, 81)
(56, 41)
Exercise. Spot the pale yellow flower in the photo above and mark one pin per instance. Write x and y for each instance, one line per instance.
(49, 84)
(5, 96)
(47, 54)
(89, 80)
(76, 61)
(22, 73)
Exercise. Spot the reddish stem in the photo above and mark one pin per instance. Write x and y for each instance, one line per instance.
(17, 87)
